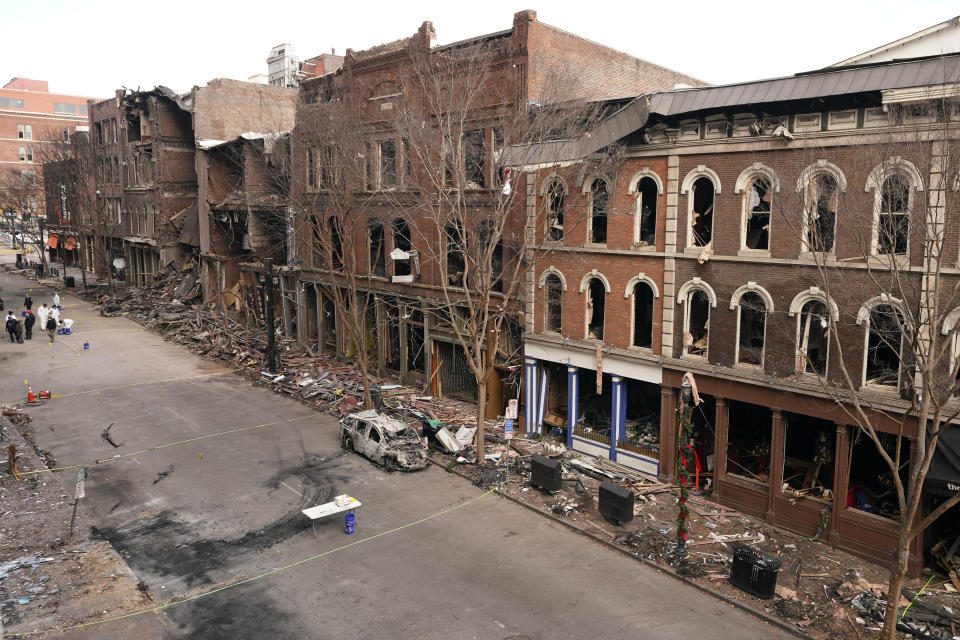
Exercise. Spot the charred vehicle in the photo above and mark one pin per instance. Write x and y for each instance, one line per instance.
(385, 440)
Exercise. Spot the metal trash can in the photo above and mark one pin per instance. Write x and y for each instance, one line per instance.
(616, 502)
(754, 572)
(69, 282)
(19, 261)
(546, 473)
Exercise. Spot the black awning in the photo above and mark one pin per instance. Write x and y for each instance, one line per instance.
(943, 477)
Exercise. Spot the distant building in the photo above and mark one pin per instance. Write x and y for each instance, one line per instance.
(940, 39)
(286, 69)
(31, 116)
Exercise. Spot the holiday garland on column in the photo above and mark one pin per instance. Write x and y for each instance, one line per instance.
(688, 399)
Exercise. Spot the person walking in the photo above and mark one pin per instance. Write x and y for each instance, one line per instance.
(12, 326)
(27, 302)
(28, 323)
(51, 329)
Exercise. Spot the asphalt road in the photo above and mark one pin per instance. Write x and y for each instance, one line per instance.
(432, 556)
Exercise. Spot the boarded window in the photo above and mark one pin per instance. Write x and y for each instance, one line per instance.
(596, 299)
(894, 223)
(598, 212)
(813, 338)
(753, 316)
(757, 223)
(883, 346)
(701, 222)
(642, 315)
(697, 338)
(647, 210)
(822, 213)
(553, 302)
(556, 194)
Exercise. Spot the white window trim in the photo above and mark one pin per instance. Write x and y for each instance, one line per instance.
(584, 288)
(544, 188)
(743, 185)
(701, 171)
(895, 166)
(751, 287)
(803, 183)
(796, 306)
(683, 296)
(593, 273)
(628, 293)
(645, 172)
(863, 319)
(551, 269)
(587, 190)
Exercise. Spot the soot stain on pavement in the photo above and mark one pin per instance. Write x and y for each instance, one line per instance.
(165, 545)
(249, 611)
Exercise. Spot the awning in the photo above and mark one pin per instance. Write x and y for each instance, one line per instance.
(52, 240)
(943, 477)
(70, 244)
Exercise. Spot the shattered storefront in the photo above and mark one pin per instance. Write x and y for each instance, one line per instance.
(605, 402)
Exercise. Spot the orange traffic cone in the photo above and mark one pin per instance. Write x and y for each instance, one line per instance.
(30, 398)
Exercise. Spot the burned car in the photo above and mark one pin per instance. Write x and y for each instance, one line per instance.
(385, 440)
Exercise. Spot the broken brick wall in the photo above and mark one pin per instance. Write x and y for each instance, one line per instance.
(224, 108)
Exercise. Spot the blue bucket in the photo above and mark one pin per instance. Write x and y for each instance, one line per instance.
(349, 522)
(59, 332)
(66, 331)
(86, 345)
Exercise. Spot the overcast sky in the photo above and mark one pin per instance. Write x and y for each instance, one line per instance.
(91, 47)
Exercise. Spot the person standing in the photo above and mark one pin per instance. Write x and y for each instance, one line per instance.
(42, 314)
(20, 329)
(28, 323)
(51, 329)
(12, 326)
(27, 302)
(56, 300)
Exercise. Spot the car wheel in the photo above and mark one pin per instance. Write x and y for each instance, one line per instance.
(390, 464)
(347, 443)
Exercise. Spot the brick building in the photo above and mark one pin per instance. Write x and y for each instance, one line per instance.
(146, 212)
(705, 250)
(30, 116)
(401, 251)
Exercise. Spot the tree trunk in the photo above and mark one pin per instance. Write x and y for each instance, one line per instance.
(481, 411)
(81, 249)
(898, 572)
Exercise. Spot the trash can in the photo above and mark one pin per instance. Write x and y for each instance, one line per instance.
(616, 502)
(19, 261)
(754, 572)
(69, 282)
(546, 473)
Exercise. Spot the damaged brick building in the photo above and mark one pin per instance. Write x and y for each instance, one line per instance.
(706, 250)
(407, 259)
(147, 142)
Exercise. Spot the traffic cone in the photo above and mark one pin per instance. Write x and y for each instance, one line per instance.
(30, 398)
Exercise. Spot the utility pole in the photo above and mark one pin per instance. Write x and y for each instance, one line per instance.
(683, 476)
(268, 315)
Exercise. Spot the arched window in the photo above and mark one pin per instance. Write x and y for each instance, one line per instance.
(755, 230)
(597, 231)
(696, 337)
(555, 195)
(336, 242)
(642, 315)
(456, 254)
(376, 244)
(813, 338)
(553, 303)
(884, 341)
(820, 186)
(595, 303)
(751, 329)
(401, 241)
(701, 212)
(645, 222)
(893, 217)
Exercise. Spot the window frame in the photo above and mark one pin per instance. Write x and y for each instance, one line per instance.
(589, 191)
(864, 318)
(561, 285)
(701, 171)
(684, 297)
(833, 317)
(735, 305)
(804, 183)
(895, 166)
(546, 193)
(744, 185)
(635, 191)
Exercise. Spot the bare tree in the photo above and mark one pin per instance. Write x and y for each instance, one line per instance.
(884, 254)
(19, 197)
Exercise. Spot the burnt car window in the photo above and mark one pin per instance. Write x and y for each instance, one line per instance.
(374, 434)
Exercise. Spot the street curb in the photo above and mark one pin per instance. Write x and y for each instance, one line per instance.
(776, 622)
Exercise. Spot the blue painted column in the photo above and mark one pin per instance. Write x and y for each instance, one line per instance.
(530, 394)
(618, 413)
(573, 406)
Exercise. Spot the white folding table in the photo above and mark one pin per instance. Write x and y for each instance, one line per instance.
(329, 509)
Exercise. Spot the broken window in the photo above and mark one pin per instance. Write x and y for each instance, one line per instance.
(493, 277)
(97, 128)
(388, 164)
(553, 302)
(808, 456)
(456, 260)
(748, 440)
(696, 339)
(598, 211)
(872, 487)
(822, 213)
(336, 242)
(753, 320)
(756, 233)
(401, 240)
(883, 347)
(701, 214)
(377, 258)
(318, 257)
(646, 230)
(311, 167)
(813, 338)
(642, 315)
(596, 298)
(894, 223)
(556, 193)
(415, 341)
(475, 165)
